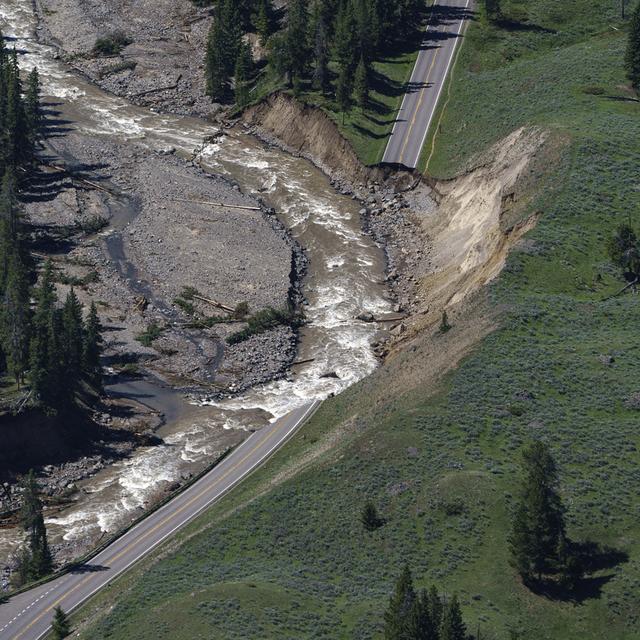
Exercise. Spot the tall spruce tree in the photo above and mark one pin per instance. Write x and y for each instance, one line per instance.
(452, 626)
(401, 603)
(344, 88)
(32, 108)
(216, 72)
(420, 624)
(320, 51)
(73, 341)
(361, 84)
(538, 521)
(32, 521)
(15, 319)
(60, 627)
(242, 74)
(632, 57)
(43, 379)
(92, 348)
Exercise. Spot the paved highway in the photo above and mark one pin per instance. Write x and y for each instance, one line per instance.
(28, 616)
(429, 75)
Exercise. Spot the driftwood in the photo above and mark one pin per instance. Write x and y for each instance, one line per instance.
(75, 177)
(631, 284)
(158, 89)
(298, 362)
(214, 303)
(216, 204)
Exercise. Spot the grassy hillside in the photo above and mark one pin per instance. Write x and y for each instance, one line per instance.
(295, 563)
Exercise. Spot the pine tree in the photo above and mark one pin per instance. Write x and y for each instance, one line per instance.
(361, 84)
(296, 41)
(15, 318)
(538, 522)
(262, 21)
(32, 106)
(73, 341)
(492, 9)
(42, 382)
(345, 46)
(217, 76)
(370, 518)
(420, 622)
(400, 605)
(92, 348)
(320, 52)
(436, 608)
(242, 75)
(452, 626)
(60, 627)
(632, 58)
(32, 522)
(343, 92)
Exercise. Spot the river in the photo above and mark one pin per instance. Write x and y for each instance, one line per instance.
(345, 276)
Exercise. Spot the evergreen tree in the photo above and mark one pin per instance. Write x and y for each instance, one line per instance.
(361, 83)
(92, 348)
(396, 617)
(420, 622)
(217, 75)
(42, 382)
(492, 9)
(320, 51)
(370, 518)
(632, 58)
(73, 341)
(60, 627)
(32, 106)
(262, 21)
(538, 522)
(343, 91)
(452, 626)
(15, 318)
(436, 608)
(296, 43)
(242, 75)
(32, 522)
(345, 45)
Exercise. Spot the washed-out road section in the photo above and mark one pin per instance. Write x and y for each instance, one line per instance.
(442, 36)
(28, 615)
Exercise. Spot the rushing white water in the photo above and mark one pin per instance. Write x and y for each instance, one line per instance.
(343, 280)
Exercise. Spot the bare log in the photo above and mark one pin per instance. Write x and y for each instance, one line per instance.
(214, 303)
(216, 204)
(299, 362)
(75, 177)
(158, 89)
(631, 284)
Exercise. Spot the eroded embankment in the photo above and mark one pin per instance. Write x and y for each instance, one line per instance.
(444, 240)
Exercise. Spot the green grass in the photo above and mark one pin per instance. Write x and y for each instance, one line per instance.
(291, 560)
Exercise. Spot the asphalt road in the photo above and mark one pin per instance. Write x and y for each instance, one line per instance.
(28, 616)
(434, 60)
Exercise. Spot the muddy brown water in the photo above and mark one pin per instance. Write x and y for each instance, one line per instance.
(344, 278)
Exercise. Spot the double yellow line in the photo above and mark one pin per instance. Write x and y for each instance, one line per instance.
(417, 109)
(161, 524)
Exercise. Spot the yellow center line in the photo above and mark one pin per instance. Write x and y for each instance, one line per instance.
(415, 114)
(152, 530)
